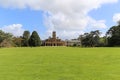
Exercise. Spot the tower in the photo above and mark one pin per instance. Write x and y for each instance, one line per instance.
(54, 35)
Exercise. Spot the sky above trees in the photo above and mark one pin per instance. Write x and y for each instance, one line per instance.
(69, 18)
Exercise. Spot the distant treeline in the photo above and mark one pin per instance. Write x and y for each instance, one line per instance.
(91, 39)
(27, 40)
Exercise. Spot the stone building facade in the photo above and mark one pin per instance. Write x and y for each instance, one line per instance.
(73, 42)
(53, 41)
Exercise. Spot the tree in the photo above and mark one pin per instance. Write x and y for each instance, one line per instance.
(90, 39)
(34, 40)
(26, 36)
(113, 36)
(18, 41)
(84, 40)
(6, 43)
(102, 41)
(5, 39)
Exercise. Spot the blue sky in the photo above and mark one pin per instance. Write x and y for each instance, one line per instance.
(68, 18)
(30, 19)
(106, 12)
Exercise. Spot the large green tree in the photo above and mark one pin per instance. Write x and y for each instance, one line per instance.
(34, 40)
(90, 39)
(26, 36)
(113, 36)
(5, 38)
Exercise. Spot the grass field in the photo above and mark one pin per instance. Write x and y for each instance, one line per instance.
(59, 63)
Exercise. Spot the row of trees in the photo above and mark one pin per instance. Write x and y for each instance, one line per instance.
(93, 39)
(33, 40)
(8, 40)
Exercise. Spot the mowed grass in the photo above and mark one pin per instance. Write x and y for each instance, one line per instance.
(59, 63)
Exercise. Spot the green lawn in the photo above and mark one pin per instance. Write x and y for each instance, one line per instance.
(59, 63)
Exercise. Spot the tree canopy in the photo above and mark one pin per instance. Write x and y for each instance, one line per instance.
(26, 36)
(90, 39)
(5, 39)
(34, 40)
(113, 36)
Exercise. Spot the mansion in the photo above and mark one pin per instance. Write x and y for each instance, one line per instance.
(53, 41)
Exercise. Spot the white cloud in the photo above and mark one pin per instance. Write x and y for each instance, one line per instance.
(63, 15)
(100, 24)
(116, 17)
(15, 29)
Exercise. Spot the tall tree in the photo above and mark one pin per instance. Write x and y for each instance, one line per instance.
(113, 36)
(26, 36)
(84, 40)
(90, 39)
(34, 40)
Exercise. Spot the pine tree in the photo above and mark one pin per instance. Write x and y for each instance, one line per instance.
(34, 40)
(26, 36)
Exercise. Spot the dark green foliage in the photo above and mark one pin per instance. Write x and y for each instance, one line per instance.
(26, 36)
(113, 36)
(90, 39)
(2, 36)
(34, 40)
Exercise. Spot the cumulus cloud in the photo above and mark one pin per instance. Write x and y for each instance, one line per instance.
(63, 15)
(116, 17)
(15, 29)
(97, 24)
